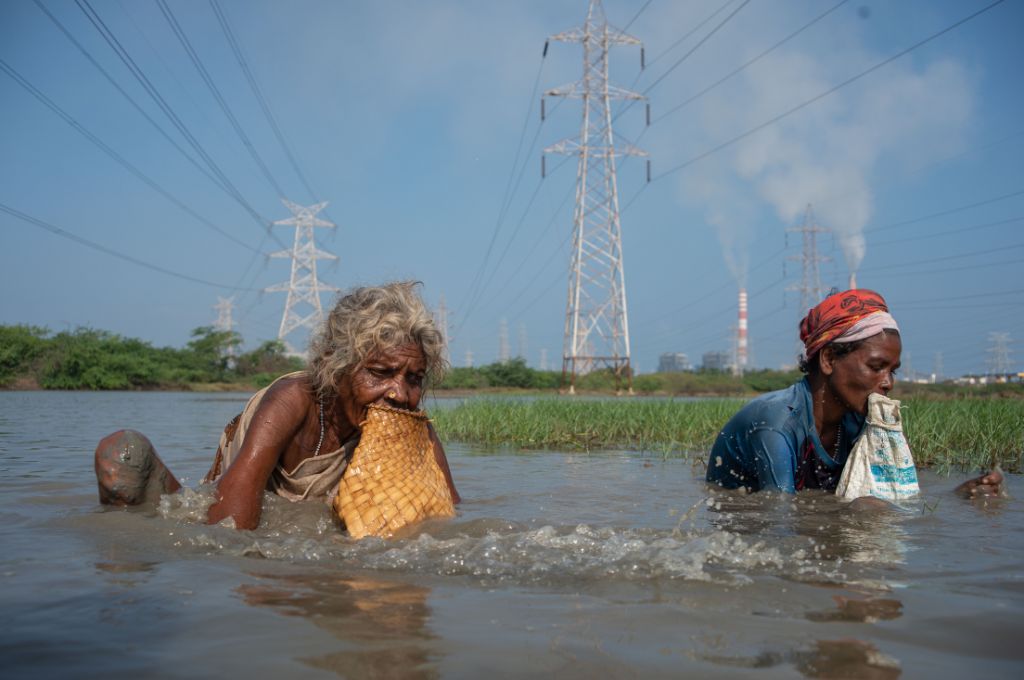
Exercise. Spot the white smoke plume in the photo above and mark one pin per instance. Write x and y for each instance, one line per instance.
(828, 154)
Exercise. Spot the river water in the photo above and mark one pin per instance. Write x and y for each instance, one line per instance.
(611, 564)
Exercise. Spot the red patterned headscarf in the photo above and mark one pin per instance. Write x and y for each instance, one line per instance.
(838, 314)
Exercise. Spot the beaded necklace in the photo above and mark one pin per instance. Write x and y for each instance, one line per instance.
(321, 442)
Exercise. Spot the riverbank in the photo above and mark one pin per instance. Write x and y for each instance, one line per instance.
(945, 434)
(725, 390)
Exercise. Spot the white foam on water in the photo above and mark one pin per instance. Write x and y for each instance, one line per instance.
(496, 550)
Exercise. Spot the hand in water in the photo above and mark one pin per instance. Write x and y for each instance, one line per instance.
(989, 484)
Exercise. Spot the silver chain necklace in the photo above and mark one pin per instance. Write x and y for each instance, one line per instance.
(321, 442)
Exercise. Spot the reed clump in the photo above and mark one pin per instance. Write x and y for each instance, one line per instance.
(945, 434)
(965, 433)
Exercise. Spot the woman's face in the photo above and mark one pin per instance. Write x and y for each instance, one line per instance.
(392, 376)
(869, 368)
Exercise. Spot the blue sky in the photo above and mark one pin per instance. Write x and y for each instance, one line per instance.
(419, 123)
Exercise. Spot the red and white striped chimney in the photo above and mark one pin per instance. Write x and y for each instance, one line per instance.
(741, 333)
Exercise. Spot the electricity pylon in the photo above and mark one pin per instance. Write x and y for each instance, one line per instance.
(596, 317)
(441, 321)
(999, 363)
(303, 288)
(224, 307)
(224, 321)
(811, 290)
(503, 351)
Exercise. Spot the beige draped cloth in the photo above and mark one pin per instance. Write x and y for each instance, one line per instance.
(317, 476)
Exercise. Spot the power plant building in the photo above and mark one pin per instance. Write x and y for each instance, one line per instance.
(674, 362)
(716, 361)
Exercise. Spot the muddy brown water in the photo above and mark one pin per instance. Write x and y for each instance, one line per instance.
(611, 564)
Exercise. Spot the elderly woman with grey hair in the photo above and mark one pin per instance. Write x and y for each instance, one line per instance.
(379, 345)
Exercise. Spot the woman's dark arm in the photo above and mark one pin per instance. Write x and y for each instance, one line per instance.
(274, 425)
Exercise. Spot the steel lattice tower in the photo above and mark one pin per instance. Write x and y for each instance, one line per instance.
(441, 320)
(811, 290)
(224, 307)
(224, 321)
(303, 288)
(503, 351)
(596, 317)
(999, 363)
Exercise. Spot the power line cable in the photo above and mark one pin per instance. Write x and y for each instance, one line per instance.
(1000, 305)
(950, 211)
(103, 146)
(536, 243)
(943, 270)
(946, 258)
(703, 40)
(751, 62)
(151, 90)
(193, 56)
(720, 311)
(962, 297)
(556, 251)
(629, 104)
(505, 201)
(727, 284)
(124, 93)
(109, 251)
(559, 276)
(802, 105)
(637, 15)
(934, 234)
(268, 113)
(693, 30)
(515, 232)
(625, 105)
(261, 99)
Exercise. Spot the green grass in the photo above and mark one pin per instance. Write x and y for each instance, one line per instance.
(965, 433)
(644, 425)
(945, 434)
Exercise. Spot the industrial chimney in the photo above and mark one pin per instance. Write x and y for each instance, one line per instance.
(741, 334)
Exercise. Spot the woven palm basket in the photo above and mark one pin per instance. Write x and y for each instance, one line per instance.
(393, 478)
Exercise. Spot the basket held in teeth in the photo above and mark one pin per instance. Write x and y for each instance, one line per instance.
(393, 478)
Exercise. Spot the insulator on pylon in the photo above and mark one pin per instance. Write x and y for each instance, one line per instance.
(648, 172)
(543, 166)
(542, 109)
(641, 58)
(648, 114)
(545, 50)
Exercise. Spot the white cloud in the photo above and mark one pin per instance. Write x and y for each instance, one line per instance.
(828, 154)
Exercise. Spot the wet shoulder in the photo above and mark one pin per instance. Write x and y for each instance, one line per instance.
(774, 410)
(293, 390)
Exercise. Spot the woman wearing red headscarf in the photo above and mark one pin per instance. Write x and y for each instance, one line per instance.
(799, 438)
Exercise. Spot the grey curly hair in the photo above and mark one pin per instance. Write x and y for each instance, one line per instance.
(369, 319)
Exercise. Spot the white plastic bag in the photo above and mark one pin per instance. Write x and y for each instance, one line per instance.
(880, 463)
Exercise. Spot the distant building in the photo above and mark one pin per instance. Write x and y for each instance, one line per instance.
(673, 362)
(716, 361)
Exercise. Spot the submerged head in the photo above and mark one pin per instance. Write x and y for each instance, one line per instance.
(378, 344)
(853, 342)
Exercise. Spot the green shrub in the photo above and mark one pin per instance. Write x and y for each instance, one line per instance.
(20, 348)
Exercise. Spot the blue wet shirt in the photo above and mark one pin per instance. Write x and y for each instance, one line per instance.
(772, 444)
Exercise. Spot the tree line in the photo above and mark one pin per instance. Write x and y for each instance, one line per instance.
(90, 359)
(516, 374)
